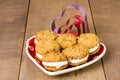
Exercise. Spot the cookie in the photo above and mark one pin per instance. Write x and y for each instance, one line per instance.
(54, 61)
(46, 46)
(77, 54)
(91, 41)
(66, 40)
(45, 34)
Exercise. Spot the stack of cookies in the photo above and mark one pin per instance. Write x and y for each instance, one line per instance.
(57, 52)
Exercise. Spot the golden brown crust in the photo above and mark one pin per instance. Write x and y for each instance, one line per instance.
(54, 68)
(45, 34)
(76, 52)
(90, 40)
(66, 40)
(54, 57)
(46, 46)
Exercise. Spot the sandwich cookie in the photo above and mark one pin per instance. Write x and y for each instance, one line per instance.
(54, 61)
(45, 34)
(46, 46)
(77, 54)
(66, 40)
(91, 41)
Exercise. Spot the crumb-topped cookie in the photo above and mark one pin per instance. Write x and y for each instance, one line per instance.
(91, 41)
(54, 61)
(45, 34)
(46, 46)
(77, 54)
(66, 40)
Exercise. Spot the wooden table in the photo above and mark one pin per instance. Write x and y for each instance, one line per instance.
(20, 19)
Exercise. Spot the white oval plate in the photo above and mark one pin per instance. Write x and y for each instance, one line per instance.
(30, 51)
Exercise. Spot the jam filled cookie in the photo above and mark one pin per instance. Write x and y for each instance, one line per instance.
(46, 46)
(54, 61)
(45, 34)
(66, 40)
(91, 41)
(77, 54)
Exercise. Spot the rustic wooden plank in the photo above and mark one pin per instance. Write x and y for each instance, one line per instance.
(107, 21)
(41, 14)
(12, 26)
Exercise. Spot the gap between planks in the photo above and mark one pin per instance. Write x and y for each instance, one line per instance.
(96, 34)
(24, 39)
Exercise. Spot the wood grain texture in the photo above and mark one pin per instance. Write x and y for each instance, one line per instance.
(41, 14)
(107, 22)
(12, 25)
